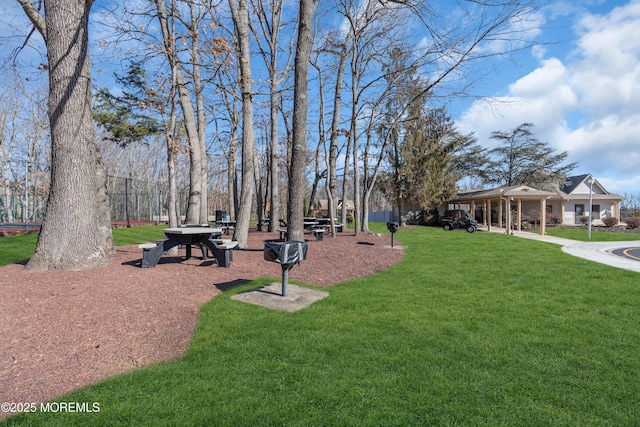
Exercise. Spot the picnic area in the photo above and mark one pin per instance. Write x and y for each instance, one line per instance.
(66, 329)
(459, 329)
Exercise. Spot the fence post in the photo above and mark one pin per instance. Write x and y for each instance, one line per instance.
(26, 196)
(159, 208)
(126, 201)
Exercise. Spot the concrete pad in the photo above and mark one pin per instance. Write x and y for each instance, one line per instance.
(397, 247)
(270, 296)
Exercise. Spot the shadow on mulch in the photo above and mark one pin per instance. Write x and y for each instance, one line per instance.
(231, 284)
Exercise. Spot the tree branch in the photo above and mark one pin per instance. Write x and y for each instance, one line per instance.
(35, 17)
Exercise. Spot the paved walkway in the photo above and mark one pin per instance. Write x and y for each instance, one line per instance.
(601, 252)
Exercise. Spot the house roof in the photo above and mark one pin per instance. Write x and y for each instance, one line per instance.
(573, 182)
(568, 191)
(518, 191)
(524, 192)
(324, 204)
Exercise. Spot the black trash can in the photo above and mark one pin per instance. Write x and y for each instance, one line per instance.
(286, 254)
(220, 215)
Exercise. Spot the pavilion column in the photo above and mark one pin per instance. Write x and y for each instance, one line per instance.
(500, 212)
(489, 215)
(519, 225)
(562, 213)
(484, 213)
(473, 209)
(543, 215)
(507, 215)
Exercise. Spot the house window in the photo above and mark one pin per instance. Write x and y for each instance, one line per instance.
(595, 212)
(579, 214)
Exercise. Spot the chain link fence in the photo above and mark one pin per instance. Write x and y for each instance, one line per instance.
(24, 188)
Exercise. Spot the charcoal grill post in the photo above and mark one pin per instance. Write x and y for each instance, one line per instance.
(393, 227)
(285, 278)
(287, 255)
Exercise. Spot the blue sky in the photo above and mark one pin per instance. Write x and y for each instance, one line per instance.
(581, 91)
(580, 88)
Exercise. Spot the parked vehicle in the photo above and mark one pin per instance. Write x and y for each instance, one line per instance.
(458, 218)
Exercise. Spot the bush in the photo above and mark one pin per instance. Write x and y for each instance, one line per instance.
(553, 220)
(610, 221)
(633, 222)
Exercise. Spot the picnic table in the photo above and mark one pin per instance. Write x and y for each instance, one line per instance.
(325, 222)
(310, 226)
(226, 225)
(209, 239)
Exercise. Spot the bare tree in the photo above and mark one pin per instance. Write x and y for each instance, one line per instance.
(270, 21)
(227, 91)
(197, 18)
(193, 117)
(340, 48)
(81, 238)
(240, 15)
(295, 205)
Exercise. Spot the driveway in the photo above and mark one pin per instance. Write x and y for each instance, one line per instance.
(610, 253)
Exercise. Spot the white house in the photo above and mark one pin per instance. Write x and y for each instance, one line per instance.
(571, 204)
(566, 204)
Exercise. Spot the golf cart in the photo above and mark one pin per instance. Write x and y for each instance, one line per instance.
(458, 218)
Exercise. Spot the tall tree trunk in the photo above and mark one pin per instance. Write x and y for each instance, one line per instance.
(200, 114)
(295, 205)
(398, 180)
(333, 142)
(232, 179)
(240, 15)
(259, 191)
(189, 114)
(356, 171)
(172, 151)
(369, 178)
(274, 194)
(319, 175)
(345, 179)
(76, 230)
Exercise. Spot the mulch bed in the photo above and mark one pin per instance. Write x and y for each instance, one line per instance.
(62, 330)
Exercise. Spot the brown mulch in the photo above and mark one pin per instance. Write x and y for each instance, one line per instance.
(61, 330)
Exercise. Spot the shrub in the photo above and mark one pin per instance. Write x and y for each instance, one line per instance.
(633, 222)
(553, 220)
(610, 221)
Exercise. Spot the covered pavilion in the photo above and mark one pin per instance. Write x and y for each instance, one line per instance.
(503, 200)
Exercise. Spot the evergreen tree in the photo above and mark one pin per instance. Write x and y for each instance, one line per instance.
(128, 117)
(434, 157)
(523, 159)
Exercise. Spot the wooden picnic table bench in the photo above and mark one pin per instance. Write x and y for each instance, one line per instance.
(226, 225)
(318, 233)
(208, 238)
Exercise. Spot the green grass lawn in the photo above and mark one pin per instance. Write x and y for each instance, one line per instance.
(20, 247)
(17, 248)
(596, 235)
(469, 329)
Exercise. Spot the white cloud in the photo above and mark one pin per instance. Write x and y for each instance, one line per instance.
(587, 104)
